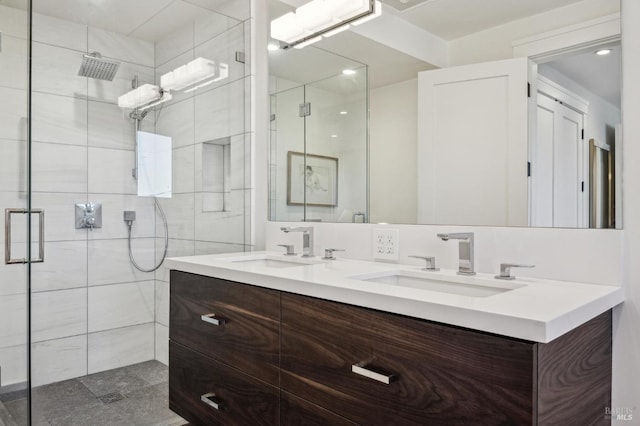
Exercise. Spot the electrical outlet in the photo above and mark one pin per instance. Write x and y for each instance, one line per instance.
(386, 244)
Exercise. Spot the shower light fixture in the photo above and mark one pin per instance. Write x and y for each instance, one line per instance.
(603, 52)
(196, 74)
(322, 18)
(145, 96)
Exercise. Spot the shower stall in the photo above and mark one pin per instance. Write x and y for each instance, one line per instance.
(90, 295)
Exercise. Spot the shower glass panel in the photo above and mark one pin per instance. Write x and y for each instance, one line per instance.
(15, 204)
(318, 149)
(86, 309)
(287, 134)
(336, 148)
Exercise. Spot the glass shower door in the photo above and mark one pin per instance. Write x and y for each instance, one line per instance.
(318, 150)
(336, 148)
(287, 147)
(15, 205)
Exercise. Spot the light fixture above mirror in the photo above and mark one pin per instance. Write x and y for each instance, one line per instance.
(322, 18)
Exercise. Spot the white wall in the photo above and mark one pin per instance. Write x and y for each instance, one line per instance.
(626, 329)
(393, 124)
(562, 254)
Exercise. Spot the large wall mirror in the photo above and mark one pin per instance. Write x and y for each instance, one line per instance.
(497, 113)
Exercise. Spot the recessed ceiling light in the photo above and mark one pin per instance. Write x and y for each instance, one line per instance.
(334, 136)
(273, 47)
(603, 52)
(348, 72)
(343, 112)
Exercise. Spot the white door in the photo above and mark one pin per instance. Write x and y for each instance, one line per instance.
(558, 157)
(472, 144)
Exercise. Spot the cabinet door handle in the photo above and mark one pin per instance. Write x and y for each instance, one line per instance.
(7, 237)
(367, 371)
(213, 319)
(212, 400)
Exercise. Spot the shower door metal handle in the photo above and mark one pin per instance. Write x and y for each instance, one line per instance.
(7, 235)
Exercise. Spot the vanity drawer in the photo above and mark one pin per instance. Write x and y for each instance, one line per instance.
(205, 391)
(436, 374)
(242, 326)
(298, 412)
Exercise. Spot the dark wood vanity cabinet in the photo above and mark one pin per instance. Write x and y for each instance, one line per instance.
(241, 327)
(297, 360)
(224, 351)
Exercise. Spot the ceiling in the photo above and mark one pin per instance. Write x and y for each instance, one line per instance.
(451, 19)
(600, 74)
(330, 56)
(150, 20)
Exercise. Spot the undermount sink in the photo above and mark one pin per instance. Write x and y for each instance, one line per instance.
(269, 261)
(463, 286)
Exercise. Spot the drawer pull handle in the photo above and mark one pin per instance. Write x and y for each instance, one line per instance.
(212, 319)
(211, 400)
(368, 371)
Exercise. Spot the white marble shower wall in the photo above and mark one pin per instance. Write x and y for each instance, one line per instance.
(91, 309)
(217, 114)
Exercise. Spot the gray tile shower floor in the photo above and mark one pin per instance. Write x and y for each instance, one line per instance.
(133, 395)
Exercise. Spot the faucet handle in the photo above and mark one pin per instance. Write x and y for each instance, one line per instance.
(431, 263)
(328, 253)
(289, 248)
(505, 270)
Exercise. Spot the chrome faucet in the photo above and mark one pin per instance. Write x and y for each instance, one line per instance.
(465, 250)
(307, 238)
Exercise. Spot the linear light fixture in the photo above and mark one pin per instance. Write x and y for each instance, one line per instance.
(198, 73)
(322, 18)
(145, 96)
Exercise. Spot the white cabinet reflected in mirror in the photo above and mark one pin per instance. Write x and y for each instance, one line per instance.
(480, 113)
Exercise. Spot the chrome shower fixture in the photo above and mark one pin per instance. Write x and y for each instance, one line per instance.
(95, 66)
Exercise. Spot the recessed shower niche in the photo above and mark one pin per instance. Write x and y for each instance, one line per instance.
(216, 175)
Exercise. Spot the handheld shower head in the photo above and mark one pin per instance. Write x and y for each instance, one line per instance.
(95, 66)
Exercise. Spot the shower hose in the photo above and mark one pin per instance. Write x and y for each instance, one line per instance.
(166, 241)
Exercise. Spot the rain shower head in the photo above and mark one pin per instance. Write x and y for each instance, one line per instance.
(95, 66)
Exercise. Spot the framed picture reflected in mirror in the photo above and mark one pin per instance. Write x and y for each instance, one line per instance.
(312, 180)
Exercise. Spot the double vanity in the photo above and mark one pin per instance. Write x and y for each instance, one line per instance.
(269, 338)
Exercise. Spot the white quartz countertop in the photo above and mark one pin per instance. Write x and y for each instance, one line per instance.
(533, 309)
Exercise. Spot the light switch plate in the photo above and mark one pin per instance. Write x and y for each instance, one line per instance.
(386, 244)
